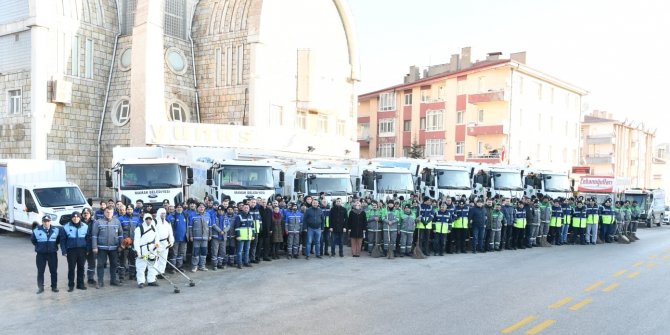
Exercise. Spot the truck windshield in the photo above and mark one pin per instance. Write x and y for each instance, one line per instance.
(640, 198)
(246, 177)
(453, 180)
(146, 176)
(330, 186)
(59, 196)
(507, 181)
(395, 182)
(557, 183)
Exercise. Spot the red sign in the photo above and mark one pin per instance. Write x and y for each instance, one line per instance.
(596, 184)
(581, 169)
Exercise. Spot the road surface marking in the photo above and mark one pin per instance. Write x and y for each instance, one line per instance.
(594, 286)
(666, 257)
(653, 256)
(542, 326)
(581, 304)
(611, 287)
(560, 303)
(638, 264)
(633, 275)
(519, 324)
(618, 274)
(651, 265)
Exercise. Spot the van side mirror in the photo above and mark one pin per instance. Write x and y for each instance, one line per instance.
(296, 185)
(89, 201)
(108, 179)
(378, 177)
(210, 177)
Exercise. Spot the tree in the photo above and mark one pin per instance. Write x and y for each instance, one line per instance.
(416, 151)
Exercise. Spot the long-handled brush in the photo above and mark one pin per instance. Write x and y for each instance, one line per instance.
(417, 252)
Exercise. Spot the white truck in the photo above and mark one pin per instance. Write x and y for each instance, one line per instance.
(651, 202)
(381, 181)
(504, 180)
(31, 189)
(331, 180)
(438, 179)
(150, 174)
(550, 183)
(235, 178)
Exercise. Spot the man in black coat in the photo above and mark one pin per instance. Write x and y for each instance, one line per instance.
(338, 221)
(265, 232)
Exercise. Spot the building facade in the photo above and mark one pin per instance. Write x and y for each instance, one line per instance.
(491, 111)
(620, 149)
(78, 77)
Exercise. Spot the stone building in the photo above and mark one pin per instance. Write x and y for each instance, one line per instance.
(78, 77)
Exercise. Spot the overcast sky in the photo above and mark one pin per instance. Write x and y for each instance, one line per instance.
(619, 51)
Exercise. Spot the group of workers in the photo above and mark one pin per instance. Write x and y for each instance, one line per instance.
(139, 242)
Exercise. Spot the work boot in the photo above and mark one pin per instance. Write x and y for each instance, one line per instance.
(55, 290)
(239, 266)
(92, 281)
(153, 284)
(81, 287)
(40, 290)
(70, 288)
(266, 259)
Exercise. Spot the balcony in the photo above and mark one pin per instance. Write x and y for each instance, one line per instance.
(599, 158)
(364, 140)
(490, 96)
(490, 158)
(600, 139)
(480, 130)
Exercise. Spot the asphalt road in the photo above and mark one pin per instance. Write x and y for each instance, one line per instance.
(604, 289)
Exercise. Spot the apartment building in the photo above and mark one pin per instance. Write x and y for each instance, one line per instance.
(491, 111)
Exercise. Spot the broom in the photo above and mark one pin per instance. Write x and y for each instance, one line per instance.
(377, 250)
(417, 252)
(389, 252)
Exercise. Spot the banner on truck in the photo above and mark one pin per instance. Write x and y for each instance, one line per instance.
(596, 184)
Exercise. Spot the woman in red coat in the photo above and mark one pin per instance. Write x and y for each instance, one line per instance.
(357, 226)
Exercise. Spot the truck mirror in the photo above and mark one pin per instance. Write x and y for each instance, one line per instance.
(378, 177)
(549, 177)
(281, 183)
(209, 182)
(441, 173)
(312, 176)
(358, 183)
(497, 175)
(210, 174)
(189, 173)
(281, 177)
(89, 201)
(108, 179)
(109, 184)
(189, 181)
(296, 185)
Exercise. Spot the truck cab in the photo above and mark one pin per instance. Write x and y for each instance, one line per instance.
(236, 179)
(550, 183)
(445, 179)
(315, 180)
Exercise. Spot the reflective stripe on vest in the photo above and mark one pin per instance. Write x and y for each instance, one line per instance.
(461, 222)
(245, 233)
(520, 223)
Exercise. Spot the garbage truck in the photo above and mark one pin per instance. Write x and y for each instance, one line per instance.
(31, 189)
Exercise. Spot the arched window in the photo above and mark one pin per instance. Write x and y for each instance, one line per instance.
(177, 112)
(121, 112)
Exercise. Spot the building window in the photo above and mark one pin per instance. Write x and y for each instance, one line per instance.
(435, 120)
(323, 123)
(88, 59)
(176, 60)
(125, 60)
(229, 66)
(425, 95)
(14, 102)
(566, 128)
(386, 150)
(460, 117)
(406, 151)
(128, 8)
(551, 124)
(539, 91)
(422, 123)
(434, 147)
(460, 148)
(481, 84)
(74, 56)
(539, 121)
(480, 116)
(301, 120)
(177, 112)
(407, 125)
(460, 87)
(219, 63)
(121, 112)
(551, 95)
(440, 93)
(408, 99)
(341, 128)
(387, 127)
(240, 64)
(364, 131)
(521, 85)
(175, 11)
(387, 102)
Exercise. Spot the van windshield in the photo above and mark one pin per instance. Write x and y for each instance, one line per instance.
(59, 196)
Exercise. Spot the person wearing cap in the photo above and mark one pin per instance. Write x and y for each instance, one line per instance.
(619, 219)
(75, 239)
(477, 218)
(165, 238)
(292, 228)
(245, 232)
(520, 222)
(556, 223)
(507, 210)
(390, 223)
(497, 219)
(628, 224)
(407, 226)
(592, 219)
(46, 238)
(424, 224)
(607, 223)
(87, 218)
(545, 220)
(199, 234)
(568, 205)
(219, 233)
(106, 237)
(635, 212)
(146, 246)
(460, 226)
(128, 226)
(179, 222)
(533, 224)
(374, 216)
(579, 218)
(441, 228)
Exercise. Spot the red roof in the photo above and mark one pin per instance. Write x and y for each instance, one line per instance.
(476, 66)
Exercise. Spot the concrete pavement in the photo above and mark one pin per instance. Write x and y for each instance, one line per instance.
(611, 289)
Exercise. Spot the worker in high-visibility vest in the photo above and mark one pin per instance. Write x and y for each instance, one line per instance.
(519, 225)
(425, 224)
(460, 226)
(592, 220)
(607, 223)
(567, 205)
(245, 232)
(579, 218)
(556, 223)
(255, 211)
(326, 235)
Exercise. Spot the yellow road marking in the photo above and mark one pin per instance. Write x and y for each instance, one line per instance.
(666, 257)
(653, 256)
(611, 287)
(519, 324)
(651, 265)
(542, 326)
(561, 302)
(594, 286)
(618, 274)
(638, 264)
(581, 304)
(633, 275)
